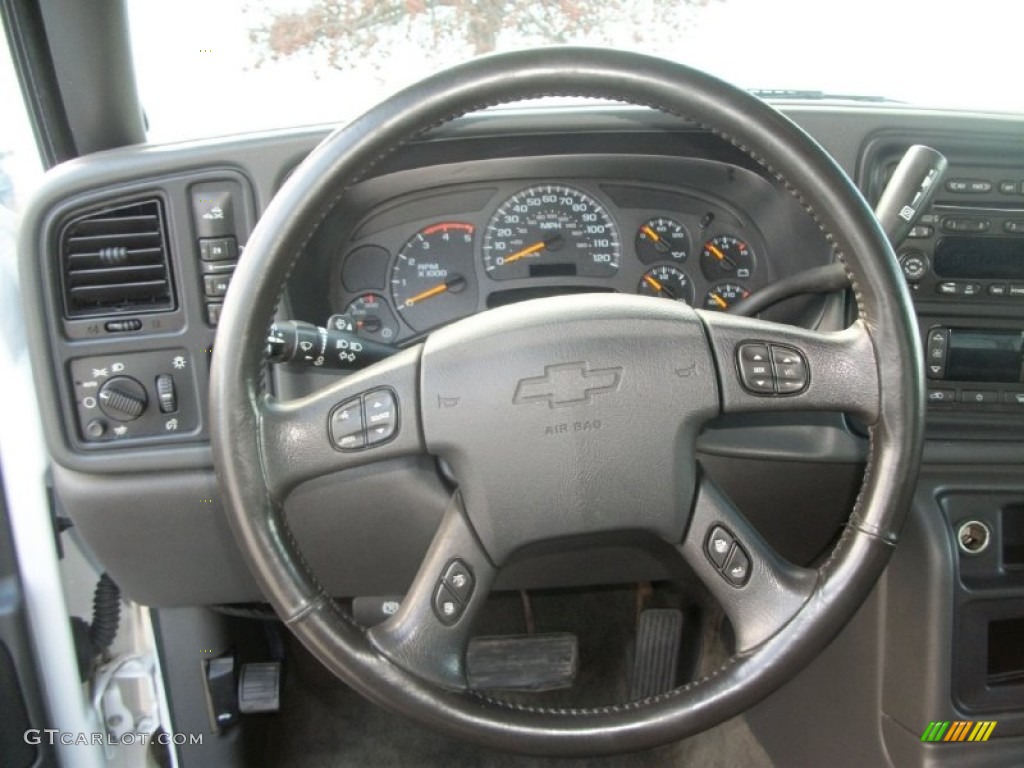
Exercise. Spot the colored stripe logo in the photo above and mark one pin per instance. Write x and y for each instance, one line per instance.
(959, 730)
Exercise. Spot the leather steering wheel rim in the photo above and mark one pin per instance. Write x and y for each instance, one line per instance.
(246, 459)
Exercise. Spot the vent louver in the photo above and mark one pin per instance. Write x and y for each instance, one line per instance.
(116, 260)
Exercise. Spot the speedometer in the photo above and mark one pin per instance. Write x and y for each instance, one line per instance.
(551, 230)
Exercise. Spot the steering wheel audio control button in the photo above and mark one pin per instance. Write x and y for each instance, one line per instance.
(447, 608)
(719, 545)
(737, 570)
(756, 369)
(459, 580)
(381, 411)
(347, 431)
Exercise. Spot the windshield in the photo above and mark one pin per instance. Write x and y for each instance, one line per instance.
(209, 68)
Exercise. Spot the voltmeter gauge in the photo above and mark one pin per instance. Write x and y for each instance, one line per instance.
(726, 256)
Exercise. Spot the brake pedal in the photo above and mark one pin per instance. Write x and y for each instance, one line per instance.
(658, 637)
(522, 662)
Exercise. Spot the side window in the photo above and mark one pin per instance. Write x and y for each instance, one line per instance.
(20, 167)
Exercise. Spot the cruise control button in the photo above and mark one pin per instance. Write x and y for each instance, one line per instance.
(347, 426)
(737, 570)
(381, 411)
(459, 580)
(718, 546)
(446, 607)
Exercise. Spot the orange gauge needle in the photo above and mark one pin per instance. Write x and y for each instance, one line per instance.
(525, 252)
(455, 284)
(552, 241)
(716, 253)
(429, 293)
(650, 233)
(720, 301)
(654, 284)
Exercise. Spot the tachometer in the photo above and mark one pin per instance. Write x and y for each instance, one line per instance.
(551, 230)
(432, 280)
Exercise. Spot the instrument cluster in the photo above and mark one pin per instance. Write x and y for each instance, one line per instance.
(402, 272)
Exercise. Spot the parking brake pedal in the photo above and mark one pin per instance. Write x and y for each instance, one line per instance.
(259, 688)
(658, 636)
(522, 662)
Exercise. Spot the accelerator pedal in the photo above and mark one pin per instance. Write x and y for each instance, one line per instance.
(658, 636)
(522, 662)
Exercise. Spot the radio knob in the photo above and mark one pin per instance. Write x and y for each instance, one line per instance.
(914, 265)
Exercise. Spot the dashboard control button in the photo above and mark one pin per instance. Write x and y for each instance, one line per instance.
(997, 289)
(920, 231)
(381, 411)
(718, 546)
(970, 289)
(979, 396)
(914, 265)
(459, 580)
(213, 310)
(216, 285)
(1009, 187)
(213, 208)
(941, 396)
(122, 398)
(1017, 290)
(737, 570)
(948, 288)
(96, 429)
(447, 607)
(218, 249)
(347, 431)
(1014, 226)
(1014, 398)
(166, 394)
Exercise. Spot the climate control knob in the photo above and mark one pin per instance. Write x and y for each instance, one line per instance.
(122, 398)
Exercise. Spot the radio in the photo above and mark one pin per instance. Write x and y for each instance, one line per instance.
(966, 254)
(975, 366)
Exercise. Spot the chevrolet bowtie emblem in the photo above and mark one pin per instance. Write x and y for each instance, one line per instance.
(567, 384)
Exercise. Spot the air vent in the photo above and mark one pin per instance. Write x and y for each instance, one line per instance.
(115, 260)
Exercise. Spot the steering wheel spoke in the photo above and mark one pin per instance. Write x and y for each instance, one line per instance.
(766, 366)
(758, 590)
(368, 416)
(429, 634)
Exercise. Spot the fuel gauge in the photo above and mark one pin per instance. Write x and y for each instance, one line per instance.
(667, 282)
(723, 296)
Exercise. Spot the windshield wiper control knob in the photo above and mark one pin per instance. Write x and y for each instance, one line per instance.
(910, 191)
(301, 343)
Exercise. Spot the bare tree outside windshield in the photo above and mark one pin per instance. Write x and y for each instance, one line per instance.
(351, 34)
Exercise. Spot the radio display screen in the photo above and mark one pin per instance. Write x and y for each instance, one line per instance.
(982, 258)
(985, 355)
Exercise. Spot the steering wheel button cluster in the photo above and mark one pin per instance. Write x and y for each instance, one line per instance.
(459, 580)
(381, 416)
(719, 545)
(347, 430)
(737, 570)
(728, 556)
(768, 369)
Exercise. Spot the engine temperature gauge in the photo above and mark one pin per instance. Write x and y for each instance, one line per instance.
(668, 283)
(723, 296)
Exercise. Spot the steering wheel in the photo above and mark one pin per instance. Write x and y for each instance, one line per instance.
(542, 412)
